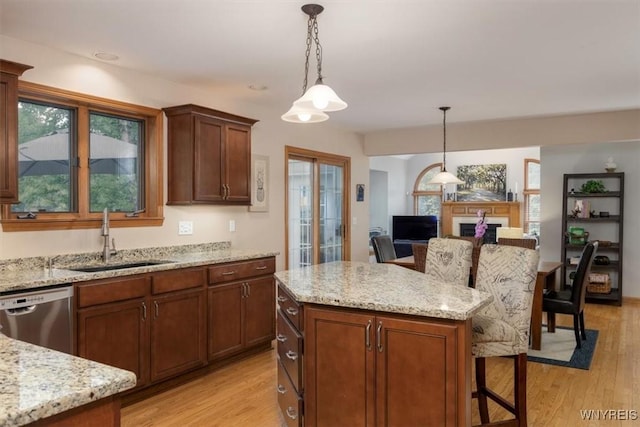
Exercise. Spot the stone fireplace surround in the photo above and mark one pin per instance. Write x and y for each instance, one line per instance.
(505, 214)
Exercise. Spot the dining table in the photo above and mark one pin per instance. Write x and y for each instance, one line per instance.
(545, 279)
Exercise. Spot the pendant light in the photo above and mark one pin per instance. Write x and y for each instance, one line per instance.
(310, 107)
(443, 178)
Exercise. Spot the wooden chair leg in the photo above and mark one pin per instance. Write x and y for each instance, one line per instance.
(481, 384)
(520, 388)
(582, 330)
(576, 330)
(551, 322)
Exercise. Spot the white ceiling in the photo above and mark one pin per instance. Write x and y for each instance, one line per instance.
(393, 61)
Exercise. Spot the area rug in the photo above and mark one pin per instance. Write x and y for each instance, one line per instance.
(559, 348)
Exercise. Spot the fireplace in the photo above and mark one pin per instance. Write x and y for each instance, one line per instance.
(497, 214)
(469, 229)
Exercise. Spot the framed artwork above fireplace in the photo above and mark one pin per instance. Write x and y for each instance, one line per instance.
(482, 183)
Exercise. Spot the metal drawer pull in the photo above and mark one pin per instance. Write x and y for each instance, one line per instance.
(281, 338)
(291, 413)
(248, 289)
(281, 389)
(144, 311)
(282, 299)
(229, 273)
(155, 303)
(367, 336)
(292, 311)
(291, 355)
(262, 267)
(379, 337)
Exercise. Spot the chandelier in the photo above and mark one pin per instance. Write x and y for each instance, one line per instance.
(311, 107)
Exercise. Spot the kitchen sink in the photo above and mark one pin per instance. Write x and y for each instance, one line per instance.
(108, 267)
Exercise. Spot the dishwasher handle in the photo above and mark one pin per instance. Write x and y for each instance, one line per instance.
(21, 311)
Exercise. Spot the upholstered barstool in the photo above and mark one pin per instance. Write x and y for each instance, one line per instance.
(383, 248)
(449, 261)
(502, 328)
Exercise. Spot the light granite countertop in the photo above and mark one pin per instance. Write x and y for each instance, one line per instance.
(33, 273)
(36, 382)
(381, 287)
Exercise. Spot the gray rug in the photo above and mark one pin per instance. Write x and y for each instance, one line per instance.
(559, 348)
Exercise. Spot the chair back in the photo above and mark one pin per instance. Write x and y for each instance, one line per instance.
(581, 279)
(509, 274)
(383, 248)
(522, 243)
(475, 256)
(420, 255)
(449, 261)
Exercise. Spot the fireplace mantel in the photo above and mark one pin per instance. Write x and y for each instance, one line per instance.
(507, 210)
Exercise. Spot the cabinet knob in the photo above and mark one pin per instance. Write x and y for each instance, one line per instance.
(292, 311)
(282, 299)
(281, 389)
(291, 355)
(281, 338)
(291, 413)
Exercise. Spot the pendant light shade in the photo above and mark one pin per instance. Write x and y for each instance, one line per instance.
(445, 177)
(298, 114)
(310, 107)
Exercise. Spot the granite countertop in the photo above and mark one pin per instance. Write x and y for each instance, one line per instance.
(36, 382)
(381, 287)
(33, 273)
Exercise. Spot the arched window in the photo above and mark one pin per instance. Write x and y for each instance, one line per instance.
(531, 196)
(427, 197)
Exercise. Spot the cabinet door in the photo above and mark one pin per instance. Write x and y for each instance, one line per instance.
(339, 366)
(178, 334)
(8, 138)
(416, 373)
(117, 335)
(208, 159)
(259, 317)
(225, 319)
(238, 163)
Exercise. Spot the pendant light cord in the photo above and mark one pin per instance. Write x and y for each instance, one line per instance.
(444, 127)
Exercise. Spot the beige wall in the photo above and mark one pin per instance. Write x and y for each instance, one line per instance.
(211, 223)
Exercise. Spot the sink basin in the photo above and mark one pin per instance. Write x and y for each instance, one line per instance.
(108, 267)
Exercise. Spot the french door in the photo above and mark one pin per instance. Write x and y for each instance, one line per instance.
(317, 207)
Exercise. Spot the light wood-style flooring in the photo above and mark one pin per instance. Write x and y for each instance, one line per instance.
(243, 394)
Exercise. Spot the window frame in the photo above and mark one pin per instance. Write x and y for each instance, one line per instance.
(527, 192)
(153, 163)
(418, 193)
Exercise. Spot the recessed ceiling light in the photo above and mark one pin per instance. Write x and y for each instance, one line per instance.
(106, 56)
(258, 87)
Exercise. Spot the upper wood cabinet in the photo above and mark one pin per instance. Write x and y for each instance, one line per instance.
(209, 156)
(9, 73)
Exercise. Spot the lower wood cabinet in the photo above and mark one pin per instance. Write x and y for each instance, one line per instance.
(372, 369)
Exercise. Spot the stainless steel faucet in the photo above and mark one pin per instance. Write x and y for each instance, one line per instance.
(106, 251)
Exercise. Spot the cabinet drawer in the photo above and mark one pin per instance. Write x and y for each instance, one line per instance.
(290, 350)
(241, 270)
(105, 291)
(288, 400)
(176, 280)
(290, 308)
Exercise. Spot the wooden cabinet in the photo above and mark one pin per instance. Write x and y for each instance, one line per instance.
(9, 73)
(209, 156)
(602, 216)
(153, 325)
(241, 307)
(112, 324)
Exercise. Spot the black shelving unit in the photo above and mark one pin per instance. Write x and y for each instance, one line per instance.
(607, 229)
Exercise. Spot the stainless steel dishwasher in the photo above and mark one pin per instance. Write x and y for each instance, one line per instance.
(41, 317)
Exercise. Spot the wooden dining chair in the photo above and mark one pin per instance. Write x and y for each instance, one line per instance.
(500, 329)
(420, 255)
(522, 243)
(449, 261)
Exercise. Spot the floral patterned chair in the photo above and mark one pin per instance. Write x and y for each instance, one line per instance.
(502, 328)
(449, 261)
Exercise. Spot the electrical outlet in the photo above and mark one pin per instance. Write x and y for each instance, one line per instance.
(185, 228)
(232, 225)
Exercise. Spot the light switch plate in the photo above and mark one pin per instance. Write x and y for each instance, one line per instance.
(232, 225)
(185, 228)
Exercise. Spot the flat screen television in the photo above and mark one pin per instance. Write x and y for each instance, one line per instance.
(415, 227)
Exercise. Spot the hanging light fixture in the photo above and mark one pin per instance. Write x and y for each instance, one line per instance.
(443, 178)
(319, 98)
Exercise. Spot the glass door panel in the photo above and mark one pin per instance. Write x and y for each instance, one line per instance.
(300, 213)
(331, 213)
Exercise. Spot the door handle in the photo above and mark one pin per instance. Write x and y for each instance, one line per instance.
(248, 285)
(228, 273)
(292, 311)
(281, 338)
(262, 267)
(144, 311)
(291, 413)
(21, 311)
(379, 337)
(367, 336)
(282, 299)
(281, 389)
(291, 355)
(155, 303)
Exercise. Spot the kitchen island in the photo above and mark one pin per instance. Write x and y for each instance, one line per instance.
(373, 344)
(47, 387)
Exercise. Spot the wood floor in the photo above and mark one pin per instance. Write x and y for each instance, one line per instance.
(243, 394)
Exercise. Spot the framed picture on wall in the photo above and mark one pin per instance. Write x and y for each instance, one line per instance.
(259, 183)
(482, 183)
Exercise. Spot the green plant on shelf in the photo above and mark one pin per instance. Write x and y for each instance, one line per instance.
(593, 186)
